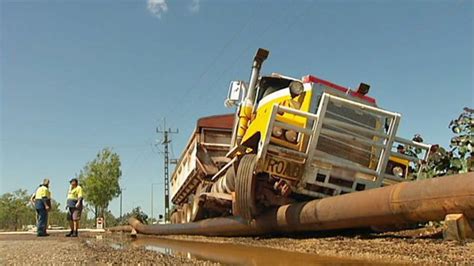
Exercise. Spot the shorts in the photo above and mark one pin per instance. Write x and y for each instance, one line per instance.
(74, 214)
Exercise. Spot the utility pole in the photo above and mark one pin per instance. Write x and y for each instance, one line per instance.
(121, 192)
(151, 203)
(166, 141)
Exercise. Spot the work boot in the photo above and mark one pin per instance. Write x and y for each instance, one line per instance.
(74, 234)
(70, 233)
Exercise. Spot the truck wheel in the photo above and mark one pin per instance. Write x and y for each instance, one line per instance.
(197, 212)
(173, 217)
(186, 215)
(245, 183)
(179, 215)
(230, 178)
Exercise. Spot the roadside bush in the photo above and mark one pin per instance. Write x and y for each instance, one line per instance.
(16, 211)
(459, 158)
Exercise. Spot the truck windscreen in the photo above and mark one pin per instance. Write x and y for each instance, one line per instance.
(269, 85)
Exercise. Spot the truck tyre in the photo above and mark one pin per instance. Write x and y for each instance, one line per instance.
(197, 211)
(230, 178)
(245, 183)
(186, 215)
(179, 215)
(174, 217)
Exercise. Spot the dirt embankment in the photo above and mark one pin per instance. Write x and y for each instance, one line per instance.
(59, 250)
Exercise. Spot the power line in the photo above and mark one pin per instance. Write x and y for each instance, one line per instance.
(216, 58)
(221, 52)
(241, 55)
(246, 50)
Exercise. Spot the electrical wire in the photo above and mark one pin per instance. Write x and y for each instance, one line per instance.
(221, 53)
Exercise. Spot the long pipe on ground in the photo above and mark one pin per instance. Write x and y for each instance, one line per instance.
(120, 228)
(404, 203)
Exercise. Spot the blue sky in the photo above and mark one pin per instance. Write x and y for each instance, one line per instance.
(77, 76)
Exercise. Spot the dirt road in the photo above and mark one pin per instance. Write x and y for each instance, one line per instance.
(58, 250)
(421, 246)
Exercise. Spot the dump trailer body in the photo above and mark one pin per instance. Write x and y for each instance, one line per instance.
(203, 156)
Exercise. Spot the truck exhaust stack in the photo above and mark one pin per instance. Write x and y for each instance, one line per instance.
(248, 107)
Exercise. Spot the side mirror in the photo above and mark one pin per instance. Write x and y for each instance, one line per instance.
(236, 93)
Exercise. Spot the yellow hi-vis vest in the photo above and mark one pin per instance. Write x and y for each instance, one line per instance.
(74, 193)
(73, 196)
(42, 197)
(42, 192)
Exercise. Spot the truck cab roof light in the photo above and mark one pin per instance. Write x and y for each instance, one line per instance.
(363, 88)
(314, 79)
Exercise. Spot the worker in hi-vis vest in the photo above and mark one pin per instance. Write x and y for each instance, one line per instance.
(42, 201)
(74, 204)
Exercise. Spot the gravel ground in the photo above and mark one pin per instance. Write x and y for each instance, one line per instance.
(423, 246)
(58, 250)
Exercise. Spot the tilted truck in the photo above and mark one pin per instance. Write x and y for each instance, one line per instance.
(289, 140)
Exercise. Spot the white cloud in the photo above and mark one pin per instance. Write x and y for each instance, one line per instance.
(194, 6)
(158, 7)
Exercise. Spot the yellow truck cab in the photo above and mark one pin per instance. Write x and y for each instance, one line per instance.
(308, 137)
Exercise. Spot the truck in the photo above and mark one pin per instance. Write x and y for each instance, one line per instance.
(289, 140)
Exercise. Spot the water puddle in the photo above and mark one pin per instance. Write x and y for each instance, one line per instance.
(235, 254)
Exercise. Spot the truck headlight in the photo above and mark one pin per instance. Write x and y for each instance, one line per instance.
(398, 171)
(291, 136)
(296, 88)
(277, 132)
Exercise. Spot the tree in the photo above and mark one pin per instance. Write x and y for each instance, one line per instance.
(15, 210)
(135, 213)
(460, 157)
(87, 221)
(100, 180)
(462, 144)
(56, 217)
(110, 219)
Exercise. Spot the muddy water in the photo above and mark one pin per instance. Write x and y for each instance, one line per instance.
(236, 254)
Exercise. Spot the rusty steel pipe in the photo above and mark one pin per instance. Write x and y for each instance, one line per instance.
(404, 203)
(120, 228)
(225, 226)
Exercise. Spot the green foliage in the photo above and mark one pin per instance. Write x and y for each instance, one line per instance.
(100, 180)
(56, 217)
(87, 220)
(463, 141)
(460, 157)
(15, 210)
(136, 213)
(110, 219)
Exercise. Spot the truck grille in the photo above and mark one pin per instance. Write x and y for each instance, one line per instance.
(356, 152)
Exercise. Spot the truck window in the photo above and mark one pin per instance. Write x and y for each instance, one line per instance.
(269, 85)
